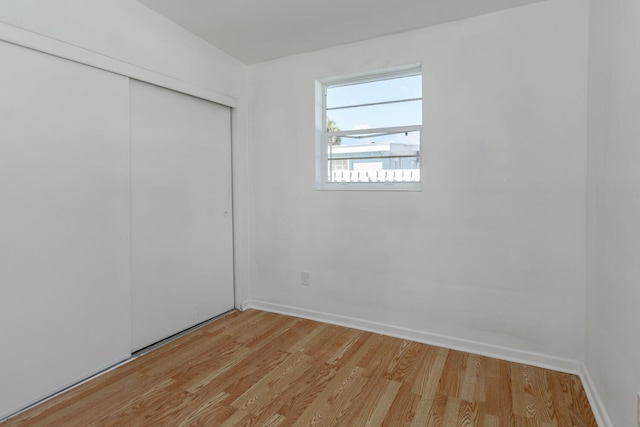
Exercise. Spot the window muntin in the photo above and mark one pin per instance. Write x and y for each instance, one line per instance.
(373, 125)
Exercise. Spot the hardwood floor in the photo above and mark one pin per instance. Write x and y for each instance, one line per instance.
(263, 369)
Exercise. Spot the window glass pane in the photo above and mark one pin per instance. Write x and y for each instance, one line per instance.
(376, 116)
(378, 91)
(391, 153)
(393, 158)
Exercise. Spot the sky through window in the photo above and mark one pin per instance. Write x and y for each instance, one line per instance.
(377, 116)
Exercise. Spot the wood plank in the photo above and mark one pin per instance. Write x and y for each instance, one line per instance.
(437, 412)
(518, 403)
(453, 374)
(265, 369)
(579, 408)
(335, 399)
(403, 408)
(471, 377)
(382, 406)
(427, 389)
(543, 399)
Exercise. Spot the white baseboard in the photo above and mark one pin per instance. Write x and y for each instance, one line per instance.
(498, 352)
(597, 406)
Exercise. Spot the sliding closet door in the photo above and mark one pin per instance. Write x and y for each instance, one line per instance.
(182, 259)
(64, 224)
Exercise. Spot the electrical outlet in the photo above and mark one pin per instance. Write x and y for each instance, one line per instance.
(305, 278)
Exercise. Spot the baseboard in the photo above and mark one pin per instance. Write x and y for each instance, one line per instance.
(597, 406)
(498, 352)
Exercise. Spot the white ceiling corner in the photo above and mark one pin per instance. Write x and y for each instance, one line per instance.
(257, 30)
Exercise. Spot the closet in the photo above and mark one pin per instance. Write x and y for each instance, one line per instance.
(115, 219)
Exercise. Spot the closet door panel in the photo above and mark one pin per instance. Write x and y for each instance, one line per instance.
(64, 224)
(181, 212)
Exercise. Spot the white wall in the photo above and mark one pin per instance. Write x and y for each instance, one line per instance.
(493, 248)
(613, 322)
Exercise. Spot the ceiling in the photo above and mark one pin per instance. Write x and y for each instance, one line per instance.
(259, 30)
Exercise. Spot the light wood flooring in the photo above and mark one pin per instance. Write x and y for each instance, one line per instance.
(264, 369)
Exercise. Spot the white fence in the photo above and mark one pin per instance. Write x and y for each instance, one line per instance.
(385, 175)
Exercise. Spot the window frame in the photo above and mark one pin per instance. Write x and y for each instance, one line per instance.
(322, 135)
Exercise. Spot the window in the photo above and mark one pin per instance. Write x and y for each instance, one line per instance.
(369, 133)
(340, 164)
